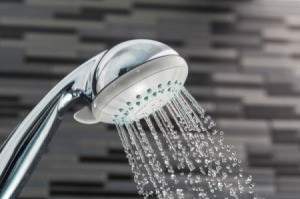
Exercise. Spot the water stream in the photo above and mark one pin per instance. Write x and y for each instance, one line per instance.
(177, 152)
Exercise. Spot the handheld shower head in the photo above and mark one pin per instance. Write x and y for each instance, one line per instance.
(132, 79)
(137, 85)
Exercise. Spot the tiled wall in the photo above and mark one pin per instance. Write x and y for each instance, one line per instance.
(244, 59)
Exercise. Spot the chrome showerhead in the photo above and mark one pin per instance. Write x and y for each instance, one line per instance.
(132, 80)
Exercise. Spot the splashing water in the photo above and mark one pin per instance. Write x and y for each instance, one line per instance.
(177, 152)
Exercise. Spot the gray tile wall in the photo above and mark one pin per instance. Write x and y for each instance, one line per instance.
(244, 61)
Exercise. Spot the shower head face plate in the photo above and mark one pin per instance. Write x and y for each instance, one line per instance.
(134, 79)
(142, 91)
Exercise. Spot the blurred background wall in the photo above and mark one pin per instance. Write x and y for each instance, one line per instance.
(244, 61)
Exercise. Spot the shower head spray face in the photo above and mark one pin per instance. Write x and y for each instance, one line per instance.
(132, 80)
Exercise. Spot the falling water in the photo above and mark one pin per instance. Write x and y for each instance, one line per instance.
(177, 152)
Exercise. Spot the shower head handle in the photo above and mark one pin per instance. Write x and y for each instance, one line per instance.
(21, 151)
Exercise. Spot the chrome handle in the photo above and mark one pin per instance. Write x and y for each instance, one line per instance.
(18, 162)
(22, 150)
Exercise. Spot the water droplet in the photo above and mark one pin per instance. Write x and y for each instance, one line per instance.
(249, 179)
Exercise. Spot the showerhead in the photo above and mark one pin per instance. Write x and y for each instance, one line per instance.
(132, 80)
(137, 85)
